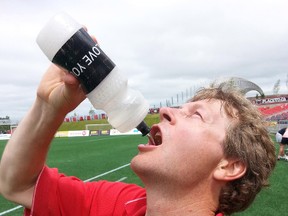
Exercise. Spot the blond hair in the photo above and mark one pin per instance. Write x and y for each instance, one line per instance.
(248, 140)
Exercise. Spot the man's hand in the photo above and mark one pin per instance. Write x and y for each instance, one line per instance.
(60, 90)
(25, 153)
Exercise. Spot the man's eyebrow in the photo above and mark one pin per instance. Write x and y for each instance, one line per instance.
(197, 105)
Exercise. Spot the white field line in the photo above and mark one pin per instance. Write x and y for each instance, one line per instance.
(10, 210)
(87, 180)
(121, 179)
(111, 171)
(100, 139)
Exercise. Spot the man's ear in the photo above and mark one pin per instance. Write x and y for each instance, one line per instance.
(229, 169)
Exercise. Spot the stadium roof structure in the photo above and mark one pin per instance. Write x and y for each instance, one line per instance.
(242, 84)
(5, 121)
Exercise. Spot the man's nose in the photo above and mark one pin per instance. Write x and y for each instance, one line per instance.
(168, 114)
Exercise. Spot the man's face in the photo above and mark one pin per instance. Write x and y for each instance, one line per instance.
(188, 144)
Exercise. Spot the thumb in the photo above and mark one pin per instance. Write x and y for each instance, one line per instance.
(74, 92)
(69, 79)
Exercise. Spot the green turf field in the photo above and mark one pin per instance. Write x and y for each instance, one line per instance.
(108, 157)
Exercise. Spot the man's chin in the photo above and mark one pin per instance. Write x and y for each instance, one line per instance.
(138, 165)
(135, 163)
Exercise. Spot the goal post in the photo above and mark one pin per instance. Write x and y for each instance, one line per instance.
(13, 128)
(93, 127)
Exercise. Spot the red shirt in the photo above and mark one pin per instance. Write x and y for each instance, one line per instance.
(57, 194)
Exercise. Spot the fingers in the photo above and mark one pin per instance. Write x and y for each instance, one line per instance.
(85, 28)
(92, 36)
(94, 39)
(73, 92)
(70, 79)
(72, 83)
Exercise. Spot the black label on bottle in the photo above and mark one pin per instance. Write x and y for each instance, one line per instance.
(82, 57)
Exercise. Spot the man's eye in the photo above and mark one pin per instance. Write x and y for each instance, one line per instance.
(197, 113)
(191, 115)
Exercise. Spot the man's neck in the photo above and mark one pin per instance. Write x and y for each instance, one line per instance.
(161, 201)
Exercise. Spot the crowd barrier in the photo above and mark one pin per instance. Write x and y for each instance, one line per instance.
(272, 127)
(5, 136)
(82, 133)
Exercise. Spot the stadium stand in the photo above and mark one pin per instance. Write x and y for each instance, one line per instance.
(278, 112)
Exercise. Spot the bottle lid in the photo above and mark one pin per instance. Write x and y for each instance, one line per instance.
(56, 33)
(143, 128)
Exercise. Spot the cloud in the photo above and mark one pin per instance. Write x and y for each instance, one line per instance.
(165, 48)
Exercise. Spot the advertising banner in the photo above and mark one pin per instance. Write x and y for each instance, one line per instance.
(131, 132)
(5, 136)
(78, 133)
(94, 133)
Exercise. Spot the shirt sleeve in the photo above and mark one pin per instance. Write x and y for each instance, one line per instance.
(282, 131)
(57, 194)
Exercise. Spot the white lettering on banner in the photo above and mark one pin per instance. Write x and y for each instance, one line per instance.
(273, 100)
(88, 59)
(131, 132)
(81, 133)
(78, 133)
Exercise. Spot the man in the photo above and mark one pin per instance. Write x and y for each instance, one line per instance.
(282, 139)
(211, 155)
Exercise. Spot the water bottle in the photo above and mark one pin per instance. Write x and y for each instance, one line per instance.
(66, 43)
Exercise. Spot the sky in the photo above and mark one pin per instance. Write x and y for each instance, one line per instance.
(164, 47)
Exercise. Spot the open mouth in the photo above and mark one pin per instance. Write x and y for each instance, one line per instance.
(155, 136)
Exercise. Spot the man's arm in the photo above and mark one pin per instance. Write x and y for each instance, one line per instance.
(25, 153)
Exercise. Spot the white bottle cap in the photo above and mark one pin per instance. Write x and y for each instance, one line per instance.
(56, 33)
